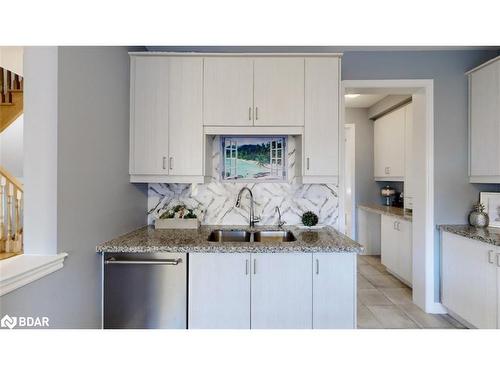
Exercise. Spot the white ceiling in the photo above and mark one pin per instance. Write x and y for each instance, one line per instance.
(363, 100)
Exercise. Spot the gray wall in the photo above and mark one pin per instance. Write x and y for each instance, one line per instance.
(366, 188)
(95, 199)
(454, 195)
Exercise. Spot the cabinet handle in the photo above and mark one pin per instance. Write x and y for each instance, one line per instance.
(317, 266)
(307, 163)
(249, 113)
(246, 266)
(498, 260)
(490, 256)
(171, 162)
(164, 163)
(256, 113)
(394, 225)
(399, 229)
(255, 266)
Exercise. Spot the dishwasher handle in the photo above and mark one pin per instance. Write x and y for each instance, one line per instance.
(167, 262)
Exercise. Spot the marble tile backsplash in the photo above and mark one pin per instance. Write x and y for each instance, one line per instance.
(217, 199)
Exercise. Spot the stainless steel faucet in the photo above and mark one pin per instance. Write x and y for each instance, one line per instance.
(280, 222)
(252, 218)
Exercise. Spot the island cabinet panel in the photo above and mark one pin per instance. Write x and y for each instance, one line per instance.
(334, 291)
(228, 91)
(281, 291)
(219, 291)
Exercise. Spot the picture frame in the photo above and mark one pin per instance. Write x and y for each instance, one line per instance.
(491, 202)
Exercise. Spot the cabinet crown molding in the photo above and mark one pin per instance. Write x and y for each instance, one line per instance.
(232, 54)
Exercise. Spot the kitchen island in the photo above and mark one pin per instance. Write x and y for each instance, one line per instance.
(235, 277)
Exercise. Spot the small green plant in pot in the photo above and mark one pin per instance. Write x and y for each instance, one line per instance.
(309, 219)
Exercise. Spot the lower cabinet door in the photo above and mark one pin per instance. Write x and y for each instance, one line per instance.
(389, 243)
(469, 280)
(405, 262)
(281, 291)
(334, 290)
(219, 291)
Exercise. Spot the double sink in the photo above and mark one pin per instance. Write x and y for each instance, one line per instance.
(235, 235)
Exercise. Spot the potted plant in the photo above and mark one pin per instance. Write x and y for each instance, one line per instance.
(178, 217)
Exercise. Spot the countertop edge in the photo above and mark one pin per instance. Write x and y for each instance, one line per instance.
(488, 235)
(382, 210)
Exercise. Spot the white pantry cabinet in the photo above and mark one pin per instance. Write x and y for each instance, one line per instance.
(281, 291)
(166, 129)
(469, 279)
(484, 123)
(228, 91)
(396, 247)
(389, 143)
(321, 130)
(334, 290)
(219, 291)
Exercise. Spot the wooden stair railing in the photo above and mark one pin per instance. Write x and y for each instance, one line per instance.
(11, 97)
(11, 215)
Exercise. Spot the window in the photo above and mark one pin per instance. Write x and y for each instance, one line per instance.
(254, 158)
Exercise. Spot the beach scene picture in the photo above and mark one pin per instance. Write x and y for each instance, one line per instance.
(253, 158)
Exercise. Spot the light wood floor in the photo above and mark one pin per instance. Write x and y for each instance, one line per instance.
(385, 302)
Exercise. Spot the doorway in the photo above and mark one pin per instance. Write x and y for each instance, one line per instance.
(425, 279)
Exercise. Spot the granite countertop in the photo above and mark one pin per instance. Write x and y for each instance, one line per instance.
(147, 239)
(387, 210)
(488, 235)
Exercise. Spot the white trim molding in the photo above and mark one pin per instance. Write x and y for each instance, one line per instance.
(422, 90)
(23, 269)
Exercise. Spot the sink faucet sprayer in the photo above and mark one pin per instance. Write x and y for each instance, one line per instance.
(280, 222)
(252, 218)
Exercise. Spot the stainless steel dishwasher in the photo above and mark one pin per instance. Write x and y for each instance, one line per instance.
(146, 290)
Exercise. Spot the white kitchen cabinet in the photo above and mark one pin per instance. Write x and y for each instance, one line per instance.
(334, 291)
(409, 189)
(149, 115)
(389, 144)
(219, 291)
(484, 123)
(321, 130)
(279, 91)
(396, 247)
(469, 280)
(228, 91)
(281, 291)
(166, 143)
(185, 137)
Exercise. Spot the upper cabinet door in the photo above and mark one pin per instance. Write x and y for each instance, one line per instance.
(485, 122)
(149, 115)
(185, 117)
(389, 143)
(321, 132)
(279, 91)
(228, 91)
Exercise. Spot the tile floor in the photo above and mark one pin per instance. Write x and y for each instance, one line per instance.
(385, 302)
